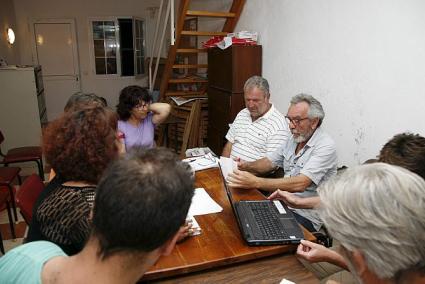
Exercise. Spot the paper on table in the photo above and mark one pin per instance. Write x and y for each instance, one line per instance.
(203, 162)
(180, 101)
(203, 204)
(286, 281)
(227, 166)
(196, 229)
(199, 151)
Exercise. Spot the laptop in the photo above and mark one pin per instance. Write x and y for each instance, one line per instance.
(265, 222)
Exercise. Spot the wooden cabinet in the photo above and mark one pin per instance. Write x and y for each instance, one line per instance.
(227, 72)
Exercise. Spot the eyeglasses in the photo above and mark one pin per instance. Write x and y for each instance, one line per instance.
(141, 106)
(295, 121)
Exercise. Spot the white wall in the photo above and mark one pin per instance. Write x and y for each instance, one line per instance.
(81, 11)
(364, 60)
(8, 52)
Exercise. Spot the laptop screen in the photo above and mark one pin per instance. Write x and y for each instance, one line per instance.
(228, 191)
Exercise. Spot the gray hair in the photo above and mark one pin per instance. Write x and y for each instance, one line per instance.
(260, 83)
(315, 110)
(379, 210)
(82, 100)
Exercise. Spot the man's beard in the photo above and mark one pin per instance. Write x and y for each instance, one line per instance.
(303, 137)
(300, 139)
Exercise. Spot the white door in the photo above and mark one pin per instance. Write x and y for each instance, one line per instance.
(55, 45)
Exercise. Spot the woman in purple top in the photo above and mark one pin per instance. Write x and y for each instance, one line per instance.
(139, 116)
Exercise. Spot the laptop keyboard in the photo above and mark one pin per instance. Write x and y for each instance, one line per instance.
(267, 222)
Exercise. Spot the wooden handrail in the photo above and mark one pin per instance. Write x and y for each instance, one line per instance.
(210, 14)
(230, 24)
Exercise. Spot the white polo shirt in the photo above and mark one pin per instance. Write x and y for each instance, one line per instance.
(317, 160)
(253, 140)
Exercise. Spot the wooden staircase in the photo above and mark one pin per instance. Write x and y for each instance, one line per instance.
(192, 85)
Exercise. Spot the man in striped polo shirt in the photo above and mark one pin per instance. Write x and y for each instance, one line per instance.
(308, 158)
(259, 129)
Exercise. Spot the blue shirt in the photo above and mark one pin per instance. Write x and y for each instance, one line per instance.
(25, 263)
(317, 160)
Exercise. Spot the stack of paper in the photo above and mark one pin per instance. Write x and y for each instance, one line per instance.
(202, 204)
(196, 229)
(202, 162)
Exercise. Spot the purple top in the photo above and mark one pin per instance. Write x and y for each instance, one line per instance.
(142, 135)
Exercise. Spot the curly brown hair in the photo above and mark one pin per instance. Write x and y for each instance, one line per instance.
(79, 145)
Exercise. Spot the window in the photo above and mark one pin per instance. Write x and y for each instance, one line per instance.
(105, 47)
(118, 46)
(139, 36)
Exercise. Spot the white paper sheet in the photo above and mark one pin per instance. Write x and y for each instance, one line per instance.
(203, 162)
(196, 229)
(286, 281)
(227, 166)
(203, 204)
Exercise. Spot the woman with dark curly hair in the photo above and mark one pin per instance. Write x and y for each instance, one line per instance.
(79, 145)
(139, 116)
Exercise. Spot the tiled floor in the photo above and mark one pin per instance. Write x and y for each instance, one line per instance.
(20, 229)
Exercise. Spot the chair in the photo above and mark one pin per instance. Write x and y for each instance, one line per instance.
(27, 196)
(7, 176)
(5, 200)
(23, 154)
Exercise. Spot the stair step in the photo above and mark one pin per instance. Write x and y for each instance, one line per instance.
(210, 14)
(191, 50)
(184, 93)
(200, 33)
(177, 66)
(186, 80)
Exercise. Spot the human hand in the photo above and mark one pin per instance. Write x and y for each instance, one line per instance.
(242, 165)
(120, 142)
(290, 199)
(185, 231)
(242, 179)
(295, 201)
(313, 252)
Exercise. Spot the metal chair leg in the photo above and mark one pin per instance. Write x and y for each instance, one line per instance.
(40, 169)
(11, 223)
(1, 244)
(12, 197)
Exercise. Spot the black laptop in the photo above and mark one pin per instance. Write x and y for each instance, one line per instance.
(265, 222)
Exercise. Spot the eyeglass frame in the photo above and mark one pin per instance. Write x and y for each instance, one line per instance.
(295, 121)
(142, 106)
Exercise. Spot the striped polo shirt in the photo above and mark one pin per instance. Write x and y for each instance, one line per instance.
(253, 140)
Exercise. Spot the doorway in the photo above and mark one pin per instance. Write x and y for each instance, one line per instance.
(55, 49)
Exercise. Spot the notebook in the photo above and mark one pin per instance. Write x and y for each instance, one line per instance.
(265, 222)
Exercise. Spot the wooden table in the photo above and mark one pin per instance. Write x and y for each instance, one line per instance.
(221, 244)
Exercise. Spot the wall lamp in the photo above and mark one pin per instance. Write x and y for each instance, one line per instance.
(10, 36)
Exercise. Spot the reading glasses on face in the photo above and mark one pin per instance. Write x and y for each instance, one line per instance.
(295, 121)
(141, 106)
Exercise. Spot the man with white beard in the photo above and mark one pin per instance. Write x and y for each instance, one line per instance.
(308, 158)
